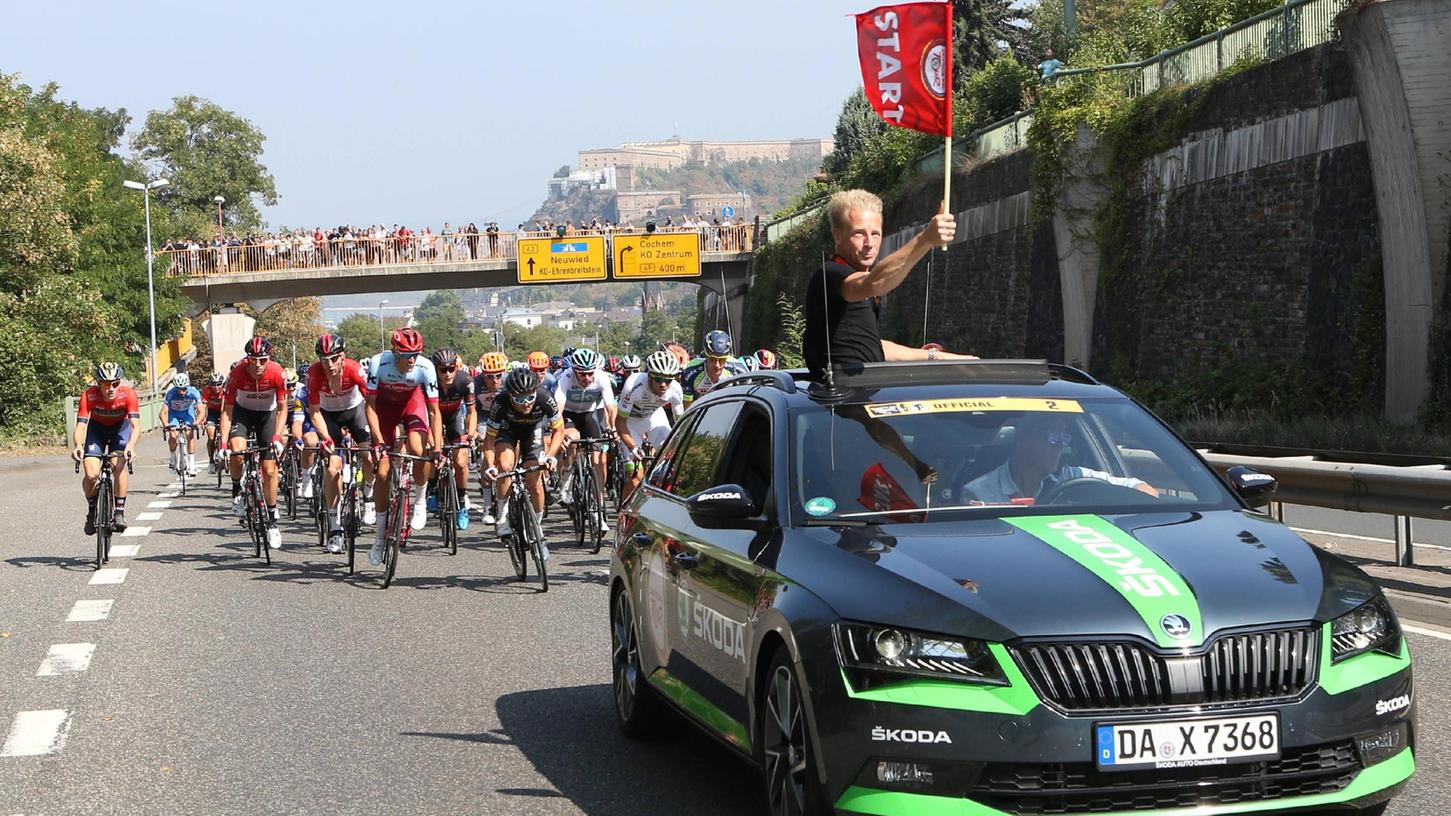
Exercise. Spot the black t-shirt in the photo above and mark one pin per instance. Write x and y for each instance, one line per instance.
(456, 396)
(852, 328)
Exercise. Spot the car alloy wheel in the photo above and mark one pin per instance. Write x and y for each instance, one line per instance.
(624, 651)
(784, 744)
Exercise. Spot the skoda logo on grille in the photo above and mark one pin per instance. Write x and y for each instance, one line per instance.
(1175, 626)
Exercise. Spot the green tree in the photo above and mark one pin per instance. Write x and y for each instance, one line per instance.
(438, 317)
(857, 126)
(992, 94)
(206, 151)
(362, 333)
(292, 324)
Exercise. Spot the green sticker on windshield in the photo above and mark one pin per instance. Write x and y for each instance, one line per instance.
(1152, 587)
(820, 506)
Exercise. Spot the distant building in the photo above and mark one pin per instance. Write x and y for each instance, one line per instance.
(675, 152)
(523, 318)
(713, 205)
(635, 207)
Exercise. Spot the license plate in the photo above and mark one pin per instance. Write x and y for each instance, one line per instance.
(1187, 743)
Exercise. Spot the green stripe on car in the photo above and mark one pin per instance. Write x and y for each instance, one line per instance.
(687, 698)
(1152, 587)
(1016, 699)
(1357, 671)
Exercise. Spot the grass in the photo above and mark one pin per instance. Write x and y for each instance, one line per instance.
(1342, 433)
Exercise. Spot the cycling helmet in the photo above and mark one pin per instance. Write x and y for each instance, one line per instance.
(302, 370)
(181, 381)
(108, 372)
(585, 360)
(258, 347)
(407, 341)
(612, 365)
(568, 352)
(717, 344)
(494, 362)
(766, 358)
(538, 360)
(444, 357)
(749, 362)
(556, 363)
(678, 350)
(630, 363)
(290, 377)
(662, 364)
(329, 344)
(521, 382)
(216, 378)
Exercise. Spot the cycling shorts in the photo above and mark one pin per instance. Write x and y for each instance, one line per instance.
(586, 422)
(529, 438)
(258, 426)
(355, 419)
(412, 415)
(213, 416)
(456, 426)
(174, 419)
(103, 439)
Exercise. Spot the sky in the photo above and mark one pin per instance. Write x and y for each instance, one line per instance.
(426, 112)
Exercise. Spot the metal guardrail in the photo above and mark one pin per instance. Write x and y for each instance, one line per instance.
(775, 230)
(1419, 488)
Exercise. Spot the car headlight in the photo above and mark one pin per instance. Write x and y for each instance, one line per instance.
(1368, 627)
(878, 654)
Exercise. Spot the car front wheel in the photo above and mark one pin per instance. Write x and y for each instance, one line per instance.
(636, 705)
(788, 755)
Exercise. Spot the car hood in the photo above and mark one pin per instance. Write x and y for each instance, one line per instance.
(1088, 576)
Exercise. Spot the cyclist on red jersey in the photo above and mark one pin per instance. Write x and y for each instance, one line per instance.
(212, 396)
(254, 407)
(335, 389)
(109, 420)
(402, 389)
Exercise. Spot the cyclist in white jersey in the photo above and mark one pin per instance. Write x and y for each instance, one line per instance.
(651, 402)
(583, 394)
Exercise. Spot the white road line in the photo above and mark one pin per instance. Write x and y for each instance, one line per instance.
(65, 658)
(110, 575)
(136, 532)
(124, 550)
(174, 486)
(85, 611)
(168, 494)
(147, 516)
(1427, 632)
(1334, 534)
(36, 733)
(158, 505)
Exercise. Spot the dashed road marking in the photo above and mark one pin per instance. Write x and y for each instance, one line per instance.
(136, 532)
(168, 494)
(36, 733)
(66, 658)
(158, 505)
(147, 516)
(174, 486)
(110, 575)
(124, 550)
(85, 611)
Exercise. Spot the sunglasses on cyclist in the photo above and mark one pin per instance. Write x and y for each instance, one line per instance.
(583, 373)
(491, 376)
(407, 355)
(659, 379)
(110, 383)
(527, 399)
(448, 369)
(258, 361)
(333, 358)
(718, 358)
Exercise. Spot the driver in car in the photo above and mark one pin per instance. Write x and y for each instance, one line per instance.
(1038, 444)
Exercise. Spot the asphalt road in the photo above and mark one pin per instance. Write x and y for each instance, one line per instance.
(220, 685)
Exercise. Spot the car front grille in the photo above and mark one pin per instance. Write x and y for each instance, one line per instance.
(1082, 788)
(1113, 676)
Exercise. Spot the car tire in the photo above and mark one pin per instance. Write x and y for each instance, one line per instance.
(640, 711)
(784, 745)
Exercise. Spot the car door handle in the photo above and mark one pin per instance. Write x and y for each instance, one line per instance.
(641, 539)
(686, 559)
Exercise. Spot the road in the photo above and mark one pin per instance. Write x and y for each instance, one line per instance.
(220, 685)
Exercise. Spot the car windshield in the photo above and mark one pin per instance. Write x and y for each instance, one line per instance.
(967, 457)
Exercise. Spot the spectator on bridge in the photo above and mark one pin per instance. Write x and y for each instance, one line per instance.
(447, 243)
(473, 241)
(493, 231)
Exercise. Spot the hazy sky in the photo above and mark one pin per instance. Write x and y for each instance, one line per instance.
(430, 111)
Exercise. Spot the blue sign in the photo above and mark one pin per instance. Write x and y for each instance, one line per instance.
(728, 211)
(559, 247)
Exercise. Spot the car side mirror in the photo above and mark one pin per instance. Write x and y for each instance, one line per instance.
(727, 505)
(1254, 486)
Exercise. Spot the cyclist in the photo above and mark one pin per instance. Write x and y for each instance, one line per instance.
(183, 407)
(702, 375)
(300, 429)
(402, 389)
(589, 407)
(487, 387)
(460, 421)
(253, 407)
(767, 359)
(543, 367)
(212, 397)
(515, 432)
(647, 410)
(109, 420)
(680, 351)
(749, 363)
(629, 367)
(335, 389)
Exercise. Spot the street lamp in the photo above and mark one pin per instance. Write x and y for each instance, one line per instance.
(382, 344)
(150, 282)
(221, 231)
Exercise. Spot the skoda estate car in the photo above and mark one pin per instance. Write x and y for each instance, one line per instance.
(995, 587)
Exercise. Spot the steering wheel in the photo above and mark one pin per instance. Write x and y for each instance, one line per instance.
(1088, 490)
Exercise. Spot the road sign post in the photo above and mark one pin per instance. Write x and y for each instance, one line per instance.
(657, 255)
(562, 260)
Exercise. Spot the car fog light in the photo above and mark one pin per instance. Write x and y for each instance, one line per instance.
(904, 774)
(1380, 747)
(890, 643)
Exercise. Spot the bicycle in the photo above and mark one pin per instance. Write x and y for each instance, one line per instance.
(588, 507)
(615, 478)
(290, 467)
(184, 432)
(450, 504)
(317, 505)
(257, 520)
(525, 526)
(400, 496)
(350, 502)
(105, 503)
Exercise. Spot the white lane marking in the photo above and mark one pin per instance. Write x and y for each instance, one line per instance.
(65, 658)
(168, 494)
(1333, 534)
(174, 486)
(158, 505)
(124, 550)
(136, 532)
(35, 733)
(147, 516)
(1427, 632)
(110, 575)
(85, 611)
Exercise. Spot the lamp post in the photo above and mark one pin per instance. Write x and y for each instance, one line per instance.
(382, 344)
(150, 281)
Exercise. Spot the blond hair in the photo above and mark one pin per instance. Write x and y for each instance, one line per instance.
(844, 201)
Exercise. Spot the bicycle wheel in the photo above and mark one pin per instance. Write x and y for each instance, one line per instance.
(103, 520)
(289, 481)
(594, 511)
(396, 528)
(535, 537)
(448, 510)
(181, 471)
(514, 543)
(253, 519)
(351, 522)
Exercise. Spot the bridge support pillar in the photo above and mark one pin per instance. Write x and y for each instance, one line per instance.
(1078, 261)
(1397, 49)
(228, 329)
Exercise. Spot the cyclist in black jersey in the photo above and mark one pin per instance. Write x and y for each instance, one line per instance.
(515, 433)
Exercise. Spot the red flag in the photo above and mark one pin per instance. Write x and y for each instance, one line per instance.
(906, 56)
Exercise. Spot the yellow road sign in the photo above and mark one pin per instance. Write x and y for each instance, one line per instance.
(657, 255)
(555, 260)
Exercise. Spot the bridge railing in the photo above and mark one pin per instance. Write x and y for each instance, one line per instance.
(302, 254)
